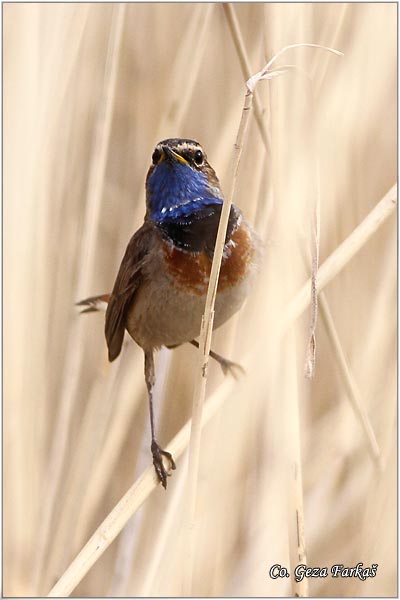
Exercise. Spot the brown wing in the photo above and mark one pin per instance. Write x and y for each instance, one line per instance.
(127, 282)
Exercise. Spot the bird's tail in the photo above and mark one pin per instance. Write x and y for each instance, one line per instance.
(95, 303)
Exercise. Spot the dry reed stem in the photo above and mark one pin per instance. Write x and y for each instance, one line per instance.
(91, 220)
(198, 27)
(247, 71)
(288, 391)
(267, 71)
(315, 242)
(245, 65)
(107, 459)
(319, 78)
(48, 107)
(297, 545)
(251, 537)
(145, 484)
(46, 114)
(309, 368)
(165, 533)
(350, 383)
(244, 60)
(204, 348)
(188, 60)
(353, 392)
(129, 536)
(20, 178)
(123, 559)
(101, 478)
(194, 57)
(301, 45)
(297, 549)
(286, 372)
(97, 420)
(207, 323)
(315, 229)
(342, 255)
(207, 326)
(130, 502)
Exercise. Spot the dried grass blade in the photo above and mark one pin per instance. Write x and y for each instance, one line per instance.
(352, 388)
(343, 254)
(142, 488)
(205, 344)
(130, 502)
(244, 60)
(58, 452)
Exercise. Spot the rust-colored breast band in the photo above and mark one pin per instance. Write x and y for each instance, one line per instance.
(191, 270)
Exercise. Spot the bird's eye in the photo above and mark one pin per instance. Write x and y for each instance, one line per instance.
(198, 158)
(156, 156)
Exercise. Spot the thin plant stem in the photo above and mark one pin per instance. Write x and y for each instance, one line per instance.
(342, 255)
(147, 482)
(315, 227)
(353, 391)
(204, 348)
(92, 217)
(195, 58)
(166, 532)
(352, 388)
(297, 545)
(130, 502)
(247, 71)
(129, 538)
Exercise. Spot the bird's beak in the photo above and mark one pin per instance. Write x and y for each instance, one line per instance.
(169, 154)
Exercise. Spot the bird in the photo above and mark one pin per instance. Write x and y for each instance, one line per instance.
(161, 286)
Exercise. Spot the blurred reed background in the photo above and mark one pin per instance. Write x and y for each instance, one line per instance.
(89, 89)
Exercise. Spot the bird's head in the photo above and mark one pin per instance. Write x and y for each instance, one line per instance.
(180, 180)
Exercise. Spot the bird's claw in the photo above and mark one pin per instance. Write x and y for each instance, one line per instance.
(162, 472)
(228, 366)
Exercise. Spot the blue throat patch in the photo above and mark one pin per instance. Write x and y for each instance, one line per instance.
(186, 208)
(176, 190)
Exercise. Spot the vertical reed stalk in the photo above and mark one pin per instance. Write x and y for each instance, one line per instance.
(179, 71)
(353, 392)
(75, 346)
(129, 504)
(204, 349)
(147, 482)
(297, 545)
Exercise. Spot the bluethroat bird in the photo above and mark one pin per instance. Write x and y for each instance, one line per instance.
(160, 290)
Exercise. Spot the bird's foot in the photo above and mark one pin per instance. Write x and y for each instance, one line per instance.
(228, 366)
(162, 472)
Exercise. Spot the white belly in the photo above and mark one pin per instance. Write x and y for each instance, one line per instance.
(164, 315)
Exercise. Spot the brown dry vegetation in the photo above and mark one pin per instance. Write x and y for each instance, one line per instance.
(88, 91)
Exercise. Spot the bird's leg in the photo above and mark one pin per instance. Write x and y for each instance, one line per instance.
(226, 365)
(156, 451)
